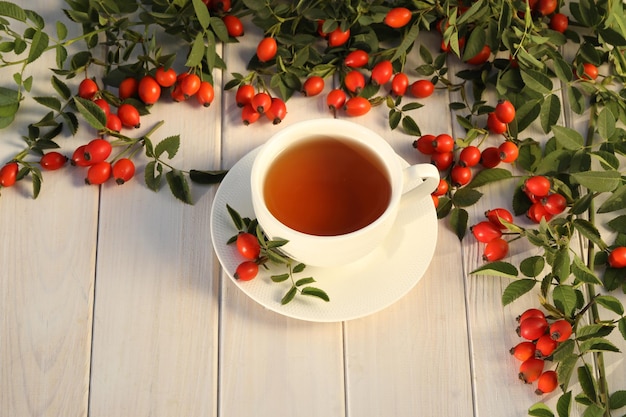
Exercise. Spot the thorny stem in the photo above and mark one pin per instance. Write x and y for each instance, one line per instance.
(593, 309)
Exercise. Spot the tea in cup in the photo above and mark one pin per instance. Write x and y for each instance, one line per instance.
(332, 189)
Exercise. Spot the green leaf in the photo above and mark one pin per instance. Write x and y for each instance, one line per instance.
(289, 295)
(235, 217)
(13, 11)
(218, 26)
(568, 138)
(565, 300)
(61, 30)
(499, 268)
(576, 100)
(561, 264)
(38, 46)
(537, 81)
(563, 405)
(599, 181)
(565, 369)
(407, 41)
(616, 201)
(533, 266)
(279, 278)
(490, 175)
(153, 174)
(610, 303)
(170, 145)
(583, 273)
(606, 123)
(61, 88)
(50, 102)
(540, 410)
(458, 221)
(410, 127)
(298, 268)
(465, 197)
(585, 378)
(588, 230)
(202, 13)
(621, 325)
(304, 281)
(92, 114)
(550, 112)
(516, 289)
(179, 186)
(597, 344)
(617, 400)
(592, 331)
(315, 292)
(207, 177)
(197, 51)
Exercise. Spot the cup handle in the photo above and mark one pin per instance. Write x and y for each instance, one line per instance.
(423, 178)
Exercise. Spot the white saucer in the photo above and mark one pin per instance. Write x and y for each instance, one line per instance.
(355, 290)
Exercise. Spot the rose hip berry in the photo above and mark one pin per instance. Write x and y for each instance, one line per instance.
(442, 188)
(460, 175)
(505, 111)
(469, 156)
(248, 245)
(496, 215)
(399, 84)
(277, 111)
(205, 94)
(129, 115)
(123, 170)
(338, 37)
(422, 88)
(356, 59)
(165, 77)
(485, 231)
(532, 328)
(266, 49)
(554, 203)
(617, 257)
(425, 144)
(357, 106)
(537, 185)
(494, 125)
(244, 95)
(443, 143)
(261, 102)
(490, 157)
(336, 99)
(531, 312)
(149, 90)
(52, 161)
(98, 173)
(495, 250)
(87, 89)
(508, 152)
(354, 81)
(442, 160)
(530, 370)
(382, 72)
(547, 382)
(97, 150)
(313, 86)
(546, 345)
(560, 330)
(523, 351)
(246, 271)
(249, 115)
(398, 17)
(8, 174)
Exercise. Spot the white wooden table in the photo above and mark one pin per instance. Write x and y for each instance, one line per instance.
(112, 302)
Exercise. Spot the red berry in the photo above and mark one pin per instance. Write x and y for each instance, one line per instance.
(490, 157)
(338, 37)
(113, 122)
(435, 199)
(382, 72)
(190, 84)
(443, 143)
(399, 84)
(356, 59)
(505, 111)
(249, 114)
(354, 81)
(495, 250)
(546, 7)
(128, 88)
(496, 215)
(244, 95)
(87, 89)
(469, 156)
(442, 160)
(52, 161)
(554, 203)
(560, 330)
(425, 144)
(422, 88)
(246, 271)
(123, 170)
(266, 49)
(523, 351)
(248, 245)
(78, 157)
(547, 382)
(233, 24)
(104, 105)
(261, 102)
(485, 231)
(149, 90)
(617, 257)
(533, 328)
(460, 175)
(205, 94)
(481, 57)
(537, 211)
(546, 345)
(97, 150)
(98, 173)
(559, 22)
(313, 86)
(530, 370)
(165, 77)
(129, 115)
(336, 99)
(537, 185)
(8, 174)
(357, 106)
(442, 188)
(398, 17)
(531, 312)
(494, 125)
(277, 111)
(508, 152)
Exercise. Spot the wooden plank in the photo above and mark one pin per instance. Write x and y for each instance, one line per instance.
(47, 271)
(271, 364)
(155, 332)
(398, 360)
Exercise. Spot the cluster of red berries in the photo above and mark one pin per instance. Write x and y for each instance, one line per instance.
(490, 231)
(255, 104)
(541, 338)
(249, 248)
(94, 155)
(544, 203)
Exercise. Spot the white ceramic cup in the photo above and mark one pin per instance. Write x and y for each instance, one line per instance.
(325, 251)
